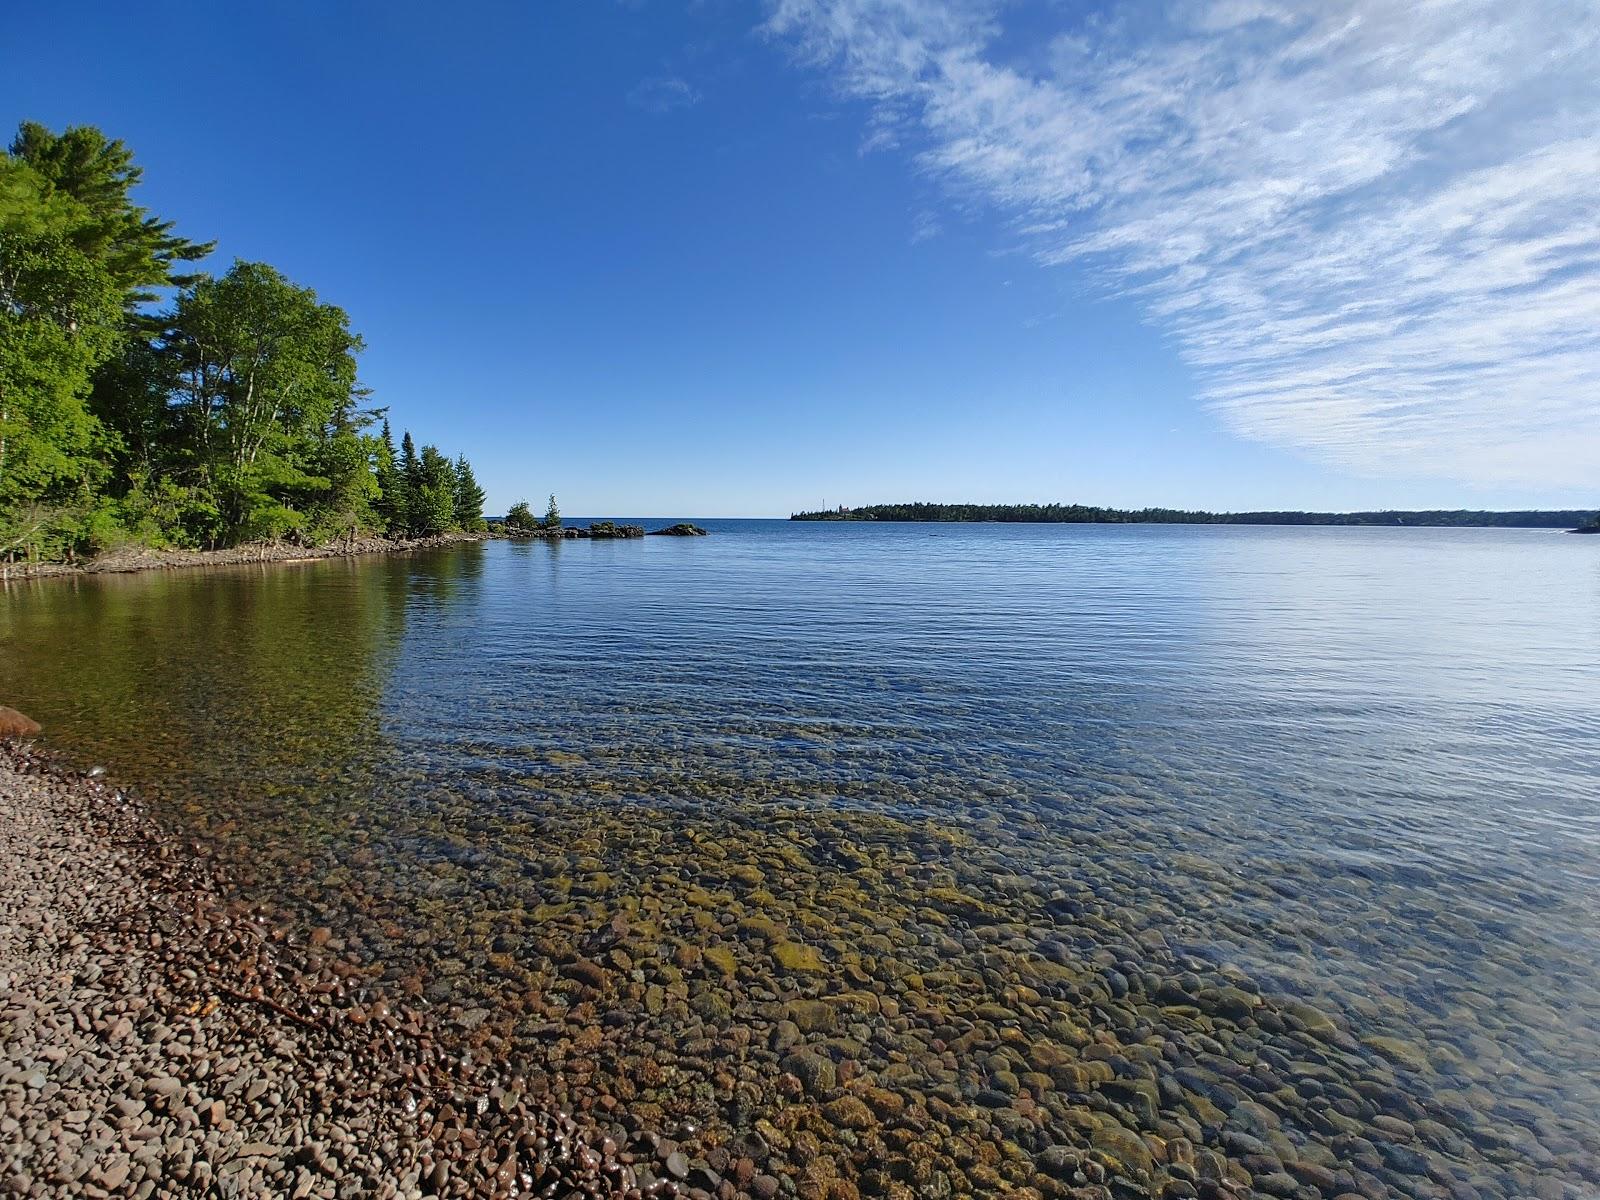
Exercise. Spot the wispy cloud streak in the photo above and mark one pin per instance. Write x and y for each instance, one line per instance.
(663, 94)
(1373, 228)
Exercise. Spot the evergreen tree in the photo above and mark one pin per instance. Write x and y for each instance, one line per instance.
(137, 254)
(435, 509)
(410, 485)
(552, 514)
(343, 458)
(137, 251)
(392, 504)
(77, 259)
(469, 497)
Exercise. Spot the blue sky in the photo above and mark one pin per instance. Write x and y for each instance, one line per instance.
(736, 258)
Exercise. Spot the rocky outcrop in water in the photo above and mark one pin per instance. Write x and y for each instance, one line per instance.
(681, 529)
(608, 529)
(597, 530)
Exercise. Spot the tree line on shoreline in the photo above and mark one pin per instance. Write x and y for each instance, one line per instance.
(144, 403)
(1068, 514)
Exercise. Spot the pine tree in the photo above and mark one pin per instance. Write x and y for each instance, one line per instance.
(435, 498)
(552, 514)
(77, 261)
(410, 486)
(60, 313)
(391, 504)
(88, 235)
(137, 250)
(469, 497)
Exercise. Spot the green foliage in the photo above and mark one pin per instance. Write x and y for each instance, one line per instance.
(393, 502)
(233, 414)
(266, 379)
(434, 507)
(520, 518)
(343, 457)
(78, 259)
(410, 486)
(469, 497)
(136, 250)
(159, 511)
(552, 514)
(60, 318)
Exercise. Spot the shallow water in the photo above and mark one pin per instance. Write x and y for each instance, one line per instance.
(1067, 824)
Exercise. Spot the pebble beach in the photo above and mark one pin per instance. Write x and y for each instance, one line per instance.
(162, 1039)
(159, 1041)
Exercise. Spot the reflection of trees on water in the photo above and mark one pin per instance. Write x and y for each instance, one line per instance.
(242, 699)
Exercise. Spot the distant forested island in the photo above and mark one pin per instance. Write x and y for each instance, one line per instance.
(1086, 514)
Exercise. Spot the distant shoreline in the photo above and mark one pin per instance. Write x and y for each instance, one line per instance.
(1081, 514)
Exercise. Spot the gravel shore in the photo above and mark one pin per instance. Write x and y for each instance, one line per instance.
(140, 558)
(160, 1040)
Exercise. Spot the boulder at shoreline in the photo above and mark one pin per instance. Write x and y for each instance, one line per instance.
(16, 725)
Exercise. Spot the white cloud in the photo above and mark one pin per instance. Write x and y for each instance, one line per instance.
(663, 94)
(1371, 226)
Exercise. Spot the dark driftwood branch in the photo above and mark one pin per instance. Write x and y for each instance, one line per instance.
(268, 1002)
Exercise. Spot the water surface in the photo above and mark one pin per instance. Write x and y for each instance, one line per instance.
(1080, 832)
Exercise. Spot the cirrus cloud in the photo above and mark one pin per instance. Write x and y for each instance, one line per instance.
(1372, 228)
(663, 94)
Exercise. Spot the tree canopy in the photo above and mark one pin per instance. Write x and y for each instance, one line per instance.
(141, 400)
(520, 518)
